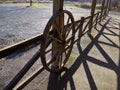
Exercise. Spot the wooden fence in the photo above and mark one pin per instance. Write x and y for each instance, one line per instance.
(82, 26)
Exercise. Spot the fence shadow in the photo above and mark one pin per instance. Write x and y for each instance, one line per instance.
(111, 64)
(58, 82)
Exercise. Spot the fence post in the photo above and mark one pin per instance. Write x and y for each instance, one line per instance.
(102, 9)
(109, 7)
(97, 18)
(106, 8)
(92, 15)
(80, 29)
(57, 6)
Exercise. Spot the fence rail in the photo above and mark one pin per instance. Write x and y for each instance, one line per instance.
(20, 45)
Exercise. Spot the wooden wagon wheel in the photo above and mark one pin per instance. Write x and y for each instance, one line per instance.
(64, 39)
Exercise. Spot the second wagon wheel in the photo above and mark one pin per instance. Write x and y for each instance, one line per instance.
(62, 35)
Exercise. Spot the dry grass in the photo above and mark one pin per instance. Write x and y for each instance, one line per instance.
(34, 6)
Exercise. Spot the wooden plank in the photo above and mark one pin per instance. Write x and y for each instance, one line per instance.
(57, 6)
(92, 14)
(102, 9)
(20, 45)
(106, 8)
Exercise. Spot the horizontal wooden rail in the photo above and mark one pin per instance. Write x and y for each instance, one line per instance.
(78, 21)
(20, 45)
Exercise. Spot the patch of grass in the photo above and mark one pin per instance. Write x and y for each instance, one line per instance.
(71, 58)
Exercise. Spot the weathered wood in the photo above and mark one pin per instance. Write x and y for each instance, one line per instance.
(106, 8)
(57, 6)
(102, 9)
(92, 15)
(109, 7)
(85, 18)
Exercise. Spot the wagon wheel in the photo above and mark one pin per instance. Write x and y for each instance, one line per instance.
(63, 36)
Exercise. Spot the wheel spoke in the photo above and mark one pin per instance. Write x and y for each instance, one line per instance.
(68, 20)
(65, 53)
(67, 28)
(57, 28)
(56, 39)
(48, 42)
(68, 31)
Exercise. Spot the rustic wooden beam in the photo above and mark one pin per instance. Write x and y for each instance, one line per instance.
(92, 15)
(102, 10)
(57, 6)
(106, 8)
(20, 45)
(109, 7)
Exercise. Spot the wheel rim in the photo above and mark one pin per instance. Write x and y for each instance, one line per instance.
(64, 38)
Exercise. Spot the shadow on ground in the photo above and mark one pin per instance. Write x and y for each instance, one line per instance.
(59, 82)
